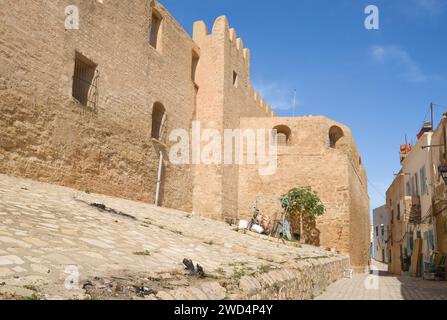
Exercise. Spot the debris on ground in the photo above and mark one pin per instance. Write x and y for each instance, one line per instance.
(103, 207)
(134, 286)
(144, 291)
(196, 271)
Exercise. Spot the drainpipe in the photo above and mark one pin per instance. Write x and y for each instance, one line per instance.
(160, 168)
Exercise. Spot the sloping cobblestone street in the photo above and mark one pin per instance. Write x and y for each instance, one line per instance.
(385, 286)
(50, 234)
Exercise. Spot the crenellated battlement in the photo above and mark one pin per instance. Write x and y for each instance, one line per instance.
(221, 30)
(222, 34)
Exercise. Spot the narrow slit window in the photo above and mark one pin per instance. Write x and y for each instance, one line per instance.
(158, 121)
(155, 30)
(235, 79)
(195, 63)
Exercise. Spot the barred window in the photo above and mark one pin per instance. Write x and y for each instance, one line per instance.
(85, 78)
(282, 139)
(283, 134)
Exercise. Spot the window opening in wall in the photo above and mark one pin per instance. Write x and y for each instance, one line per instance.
(155, 30)
(335, 134)
(409, 192)
(85, 81)
(158, 121)
(235, 79)
(423, 175)
(194, 64)
(283, 134)
(416, 184)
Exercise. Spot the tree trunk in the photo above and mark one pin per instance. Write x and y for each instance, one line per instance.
(301, 228)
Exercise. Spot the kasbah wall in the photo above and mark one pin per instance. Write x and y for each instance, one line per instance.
(48, 136)
(333, 170)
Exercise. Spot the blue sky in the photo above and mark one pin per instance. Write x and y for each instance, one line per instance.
(379, 83)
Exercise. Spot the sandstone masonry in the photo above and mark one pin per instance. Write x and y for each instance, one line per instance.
(149, 77)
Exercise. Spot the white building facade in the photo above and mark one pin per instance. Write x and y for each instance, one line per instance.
(381, 229)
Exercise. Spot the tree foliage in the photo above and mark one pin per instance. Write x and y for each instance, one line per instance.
(302, 202)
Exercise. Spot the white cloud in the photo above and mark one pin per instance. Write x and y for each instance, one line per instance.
(277, 96)
(396, 57)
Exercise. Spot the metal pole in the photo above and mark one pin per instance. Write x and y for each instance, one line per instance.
(294, 102)
(432, 118)
(160, 168)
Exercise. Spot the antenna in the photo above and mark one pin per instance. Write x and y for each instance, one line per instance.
(294, 102)
(432, 118)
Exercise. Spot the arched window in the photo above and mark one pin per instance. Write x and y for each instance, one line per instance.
(158, 120)
(283, 134)
(155, 29)
(335, 134)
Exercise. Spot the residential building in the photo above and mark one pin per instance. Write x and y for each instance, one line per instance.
(439, 159)
(381, 231)
(410, 203)
(398, 227)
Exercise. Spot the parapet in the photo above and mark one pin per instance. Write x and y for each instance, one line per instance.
(221, 31)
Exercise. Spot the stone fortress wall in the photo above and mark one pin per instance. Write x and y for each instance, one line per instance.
(108, 146)
(48, 136)
(332, 168)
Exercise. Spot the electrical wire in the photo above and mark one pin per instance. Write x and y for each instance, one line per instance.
(440, 106)
(376, 189)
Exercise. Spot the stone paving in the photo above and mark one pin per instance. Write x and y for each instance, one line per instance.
(385, 286)
(55, 245)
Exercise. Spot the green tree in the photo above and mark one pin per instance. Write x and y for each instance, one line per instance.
(302, 203)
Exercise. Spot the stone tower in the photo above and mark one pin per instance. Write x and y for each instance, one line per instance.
(224, 97)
